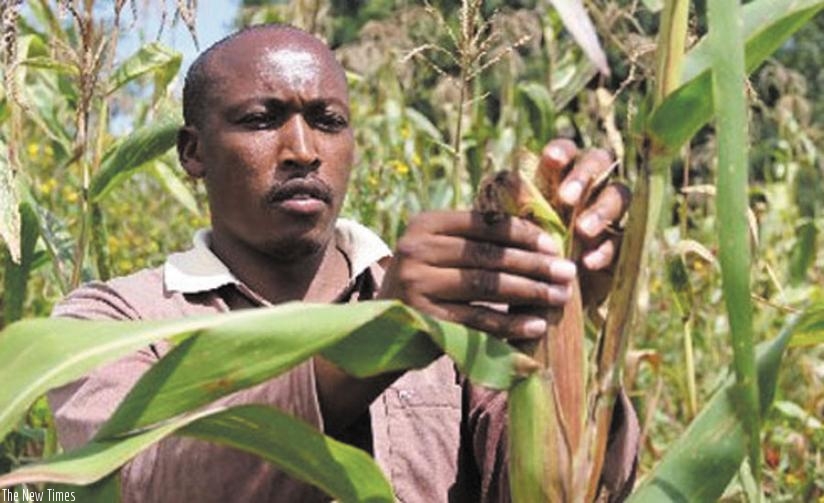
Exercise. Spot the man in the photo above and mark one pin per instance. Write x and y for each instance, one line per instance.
(267, 128)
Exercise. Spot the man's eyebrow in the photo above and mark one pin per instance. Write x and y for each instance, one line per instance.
(329, 101)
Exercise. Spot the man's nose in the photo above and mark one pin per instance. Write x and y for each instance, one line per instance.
(298, 145)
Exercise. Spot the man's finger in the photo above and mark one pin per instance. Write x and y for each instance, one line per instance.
(556, 157)
(505, 231)
(501, 324)
(590, 167)
(453, 252)
(602, 256)
(473, 285)
(607, 209)
(558, 154)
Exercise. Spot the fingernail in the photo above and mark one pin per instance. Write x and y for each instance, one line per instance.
(559, 294)
(571, 192)
(562, 270)
(589, 224)
(556, 154)
(594, 260)
(547, 244)
(535, 327)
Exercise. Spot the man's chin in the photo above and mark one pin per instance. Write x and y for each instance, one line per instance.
(297, 244)
(294, 250)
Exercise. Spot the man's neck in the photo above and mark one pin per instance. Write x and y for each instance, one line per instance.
(316, 277)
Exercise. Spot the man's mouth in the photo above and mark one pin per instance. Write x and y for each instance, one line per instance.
(300, 195)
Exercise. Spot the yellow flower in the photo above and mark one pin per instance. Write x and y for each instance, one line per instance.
(33, 148)
(48, 186)
(372, 181)
(400, 167)
(69, 195)
(416, 159)
(791, 479)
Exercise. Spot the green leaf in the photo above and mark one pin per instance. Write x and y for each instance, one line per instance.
(354, 337)
(175, 186)
(9, 206)
(810, 331)
(152, 58)
(423, 124)
(542, 470)
(767, 25)
(732, 202)
(41, 354)
(577, 22)
(46, 63)
(344, 472)
(46, 101)
(540, 108)
(46, 353)
(653, 5)
(60, 246)
(792, 410)
(140, 147)
(16, 275)
(803, 253)
(106, 490)
(100, 242)
(701, 463)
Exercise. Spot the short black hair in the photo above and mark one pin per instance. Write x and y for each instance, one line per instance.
(196, 83)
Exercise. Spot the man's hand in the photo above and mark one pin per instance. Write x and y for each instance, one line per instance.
(457, 266)
(580, 178)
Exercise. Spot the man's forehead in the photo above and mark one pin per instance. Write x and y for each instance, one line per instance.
(282, 49)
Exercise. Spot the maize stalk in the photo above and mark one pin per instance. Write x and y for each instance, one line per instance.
(549, 459)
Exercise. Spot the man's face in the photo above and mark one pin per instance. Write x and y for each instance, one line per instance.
(274, 145)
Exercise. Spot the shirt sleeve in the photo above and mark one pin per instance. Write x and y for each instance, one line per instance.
(486, 420)
(177, 468)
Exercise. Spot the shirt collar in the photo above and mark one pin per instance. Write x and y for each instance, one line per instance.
(200, 270)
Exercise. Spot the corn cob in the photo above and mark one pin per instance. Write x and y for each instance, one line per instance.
(547, 411)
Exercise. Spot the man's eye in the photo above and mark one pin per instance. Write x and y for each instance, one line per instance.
(329, 121)
(260, 121)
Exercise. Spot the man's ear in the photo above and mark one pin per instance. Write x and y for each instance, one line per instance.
(188, 151)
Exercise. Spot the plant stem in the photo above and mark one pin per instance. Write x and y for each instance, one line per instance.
(689, 362)
(459, 161)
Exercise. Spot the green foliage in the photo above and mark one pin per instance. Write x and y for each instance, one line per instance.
(767, 24)
(210, 348)
(16, 274)
(141, 146)
(343, 472)
(700, 464)
(726, 42)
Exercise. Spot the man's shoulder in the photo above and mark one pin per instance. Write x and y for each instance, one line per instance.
(140, 295)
